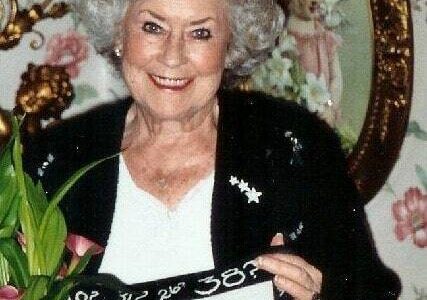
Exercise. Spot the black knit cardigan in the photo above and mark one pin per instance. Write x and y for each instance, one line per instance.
(275, 146)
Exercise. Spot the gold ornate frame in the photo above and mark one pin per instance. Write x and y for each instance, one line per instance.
(383, 132)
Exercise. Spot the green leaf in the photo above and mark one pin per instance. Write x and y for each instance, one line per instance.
(7, 179)
(9, 189)
(42, 194)
(6, 232)
(422, 175)
(83, 92)
(18, 267)
(17, 158)
(50, 245)
(82, 263)
(60, 289)
(60, 193)
(26, 218)
(53, 229)
(52, 242)
(37, 288)
(9, 203)
(36, 199)
(11, 219)
(6, 157)
(4, 271)
(28, 226)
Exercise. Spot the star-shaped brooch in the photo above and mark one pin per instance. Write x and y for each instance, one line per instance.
(243, 186)
(233, 180)
(252, 194)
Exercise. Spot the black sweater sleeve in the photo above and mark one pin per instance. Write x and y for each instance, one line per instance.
(338, 238)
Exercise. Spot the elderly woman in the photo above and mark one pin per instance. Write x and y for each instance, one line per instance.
(208, 177)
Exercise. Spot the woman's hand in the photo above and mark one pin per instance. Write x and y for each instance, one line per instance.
(292, 273)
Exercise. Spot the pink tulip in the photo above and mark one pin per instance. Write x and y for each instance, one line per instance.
(79, 246)
(8, 292)
(410, 214)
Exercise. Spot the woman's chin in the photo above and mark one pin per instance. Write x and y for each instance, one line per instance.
(170, 113)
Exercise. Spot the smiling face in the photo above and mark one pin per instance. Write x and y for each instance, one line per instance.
(174, 54)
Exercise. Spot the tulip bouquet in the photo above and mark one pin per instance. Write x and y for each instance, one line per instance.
(33, 236)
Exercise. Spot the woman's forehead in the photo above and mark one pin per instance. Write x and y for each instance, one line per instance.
(184, 9)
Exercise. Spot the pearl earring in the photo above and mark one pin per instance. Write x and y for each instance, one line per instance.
(118, 52)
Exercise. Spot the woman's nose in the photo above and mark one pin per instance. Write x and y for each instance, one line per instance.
(174, 51)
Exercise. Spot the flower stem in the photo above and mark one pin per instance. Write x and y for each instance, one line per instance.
(73, 264)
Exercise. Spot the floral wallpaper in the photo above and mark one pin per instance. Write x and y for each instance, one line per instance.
(71, 50)
(63, 42)
(410, 215)
(410, 210)
(397, 215)
(419, 5)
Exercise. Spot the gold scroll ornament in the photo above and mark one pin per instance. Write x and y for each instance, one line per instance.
(45, 92)
(14, 23)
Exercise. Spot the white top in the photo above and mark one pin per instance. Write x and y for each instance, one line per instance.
(149, 241)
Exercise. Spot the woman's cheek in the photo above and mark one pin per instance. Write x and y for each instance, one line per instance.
(210, 58)
(140, 49)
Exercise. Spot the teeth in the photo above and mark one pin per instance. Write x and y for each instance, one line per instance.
(170, 81)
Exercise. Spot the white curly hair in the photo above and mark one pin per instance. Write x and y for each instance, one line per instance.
(255, 26)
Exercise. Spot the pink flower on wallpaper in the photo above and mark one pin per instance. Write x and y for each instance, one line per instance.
(69, 50)
(411, 217)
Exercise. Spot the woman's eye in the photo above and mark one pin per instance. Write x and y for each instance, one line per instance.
(152, 27)
(202, 34)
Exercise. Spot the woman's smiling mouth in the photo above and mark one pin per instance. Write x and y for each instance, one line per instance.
(175, 84)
